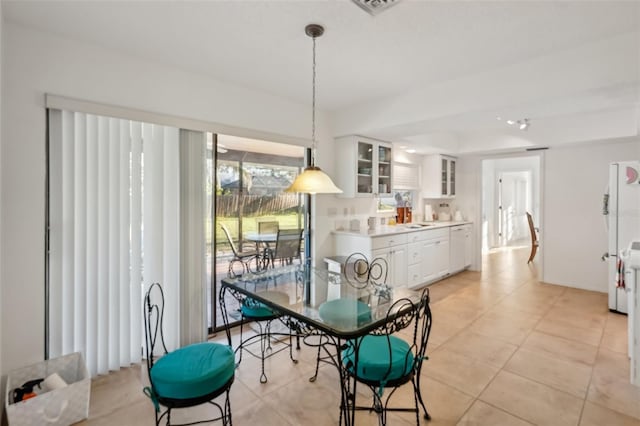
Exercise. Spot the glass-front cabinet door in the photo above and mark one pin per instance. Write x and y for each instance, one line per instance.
(365, 168)
(452, 178)
(384, 169)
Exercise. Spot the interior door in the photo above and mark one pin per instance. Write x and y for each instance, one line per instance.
(513, 200)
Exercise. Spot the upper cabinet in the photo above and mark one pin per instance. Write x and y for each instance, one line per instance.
(363, 167)
(438, 176)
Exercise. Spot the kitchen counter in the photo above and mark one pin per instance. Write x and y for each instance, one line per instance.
(402, 228)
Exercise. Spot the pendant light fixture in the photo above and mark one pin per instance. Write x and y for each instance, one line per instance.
(313, 180)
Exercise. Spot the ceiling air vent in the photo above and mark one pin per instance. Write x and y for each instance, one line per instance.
(541, 148)
(375, 6)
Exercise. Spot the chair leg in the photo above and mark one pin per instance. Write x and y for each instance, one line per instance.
(534, 249)
(227, 410)
(418, 396)
(315, 375)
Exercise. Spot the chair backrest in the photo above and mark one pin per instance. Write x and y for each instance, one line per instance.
(422, 329)
(532, 229)
(270, 227)
(288, 244)
(378, 271)
(402, 314)
(229, 239)
(356, 270)
(153, 312)
(359, 272)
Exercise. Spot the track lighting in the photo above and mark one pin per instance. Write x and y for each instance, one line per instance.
(523, 124)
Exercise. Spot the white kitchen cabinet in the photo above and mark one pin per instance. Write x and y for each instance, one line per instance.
(438, 176)
(435, 252)
(460, 241)
(405, 177)
(363, 167)
(415, 257)
(396, 258)
(392, 248)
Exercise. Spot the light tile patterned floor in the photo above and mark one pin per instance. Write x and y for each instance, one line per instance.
(506, 349)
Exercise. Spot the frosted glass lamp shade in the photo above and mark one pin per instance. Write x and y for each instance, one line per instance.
(313, 181)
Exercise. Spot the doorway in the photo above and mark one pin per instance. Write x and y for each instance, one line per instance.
(510, 189)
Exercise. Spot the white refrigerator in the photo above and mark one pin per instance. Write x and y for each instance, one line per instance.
(622, 213)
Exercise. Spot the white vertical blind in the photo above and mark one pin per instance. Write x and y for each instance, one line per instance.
(193, 318)
(114, 219)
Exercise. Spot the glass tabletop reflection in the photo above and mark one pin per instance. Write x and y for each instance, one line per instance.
(328, 301)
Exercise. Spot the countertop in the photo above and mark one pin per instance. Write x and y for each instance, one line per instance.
(402, 228)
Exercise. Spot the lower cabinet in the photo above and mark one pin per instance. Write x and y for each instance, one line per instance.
(392, 248)
(460, 254)
(396, 258)
(435, 255)
(414, 258)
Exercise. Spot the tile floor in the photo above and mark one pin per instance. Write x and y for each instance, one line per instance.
(505, 349)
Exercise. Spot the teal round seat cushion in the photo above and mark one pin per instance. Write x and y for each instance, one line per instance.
(373, 358)
(345, 313)
(253, 309)
(193, 371)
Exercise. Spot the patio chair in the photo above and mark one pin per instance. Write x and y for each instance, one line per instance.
(384, 362)
(268, 227)
(244, 258)
(189, 376)
(287, 247)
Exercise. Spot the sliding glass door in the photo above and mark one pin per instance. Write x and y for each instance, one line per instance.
(247, 198)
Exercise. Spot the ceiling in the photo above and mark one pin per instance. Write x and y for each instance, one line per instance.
(429, 75)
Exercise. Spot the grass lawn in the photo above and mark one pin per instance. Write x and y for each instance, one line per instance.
(250, 224)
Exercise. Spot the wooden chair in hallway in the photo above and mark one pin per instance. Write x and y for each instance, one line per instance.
(534, 238)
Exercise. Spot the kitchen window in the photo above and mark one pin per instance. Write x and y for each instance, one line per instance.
(388, 203)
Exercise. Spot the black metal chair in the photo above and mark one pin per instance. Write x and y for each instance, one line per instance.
(189, 376)
(244, 258)
(361, 274)
(264, 318)
(384, 362)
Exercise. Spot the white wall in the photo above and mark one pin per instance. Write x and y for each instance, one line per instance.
(573, 234)
(37, 63)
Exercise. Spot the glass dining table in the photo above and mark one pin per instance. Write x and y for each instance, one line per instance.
(316, 302)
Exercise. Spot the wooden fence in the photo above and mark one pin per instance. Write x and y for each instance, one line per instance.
(256, 205)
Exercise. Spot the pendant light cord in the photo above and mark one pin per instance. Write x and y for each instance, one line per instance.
(313, 107)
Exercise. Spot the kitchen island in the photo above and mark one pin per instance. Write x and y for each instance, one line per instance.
(417, 254)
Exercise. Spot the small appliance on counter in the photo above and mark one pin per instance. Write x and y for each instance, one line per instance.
(403, 215)
(428, 213)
